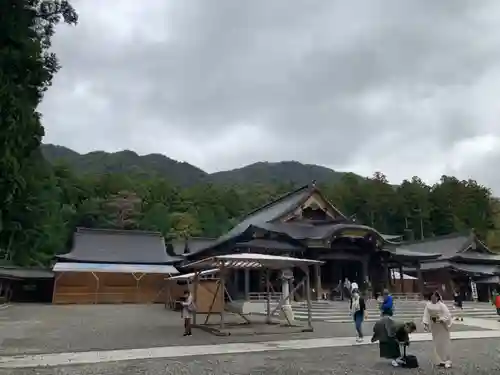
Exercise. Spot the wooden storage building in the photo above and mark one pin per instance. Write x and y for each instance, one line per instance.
(113, 266)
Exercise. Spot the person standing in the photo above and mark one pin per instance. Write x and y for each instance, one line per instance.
(437, 319)
(497, 303)
(358, 312)
(187, 312)
(387, 306)
(458, 303)
(347, 288)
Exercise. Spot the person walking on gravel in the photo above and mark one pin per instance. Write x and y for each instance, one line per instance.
(187, 312)
(358, 312)
(458, 304)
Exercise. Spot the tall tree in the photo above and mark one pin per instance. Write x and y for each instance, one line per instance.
(26, 71)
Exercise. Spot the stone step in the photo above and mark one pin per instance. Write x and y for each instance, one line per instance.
(396, 308)
(375, 319)
(377, 314)
(421, 309)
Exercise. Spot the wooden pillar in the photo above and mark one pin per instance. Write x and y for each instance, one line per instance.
(317, 280)
(236, 281)
(386, 275)
(247, 284)
(401, 279)
(420, 279)
(366, 272)
(268, 298)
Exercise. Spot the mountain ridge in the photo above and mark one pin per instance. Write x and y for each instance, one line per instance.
(183, 173)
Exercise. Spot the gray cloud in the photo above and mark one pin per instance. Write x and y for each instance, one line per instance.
(361, 85)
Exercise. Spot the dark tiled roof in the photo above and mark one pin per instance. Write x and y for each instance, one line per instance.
(194, 245)
(392, 237)
(271, 211)
(300, 231)
(25, 273)
(447, 246)
(264, 244)
(118, 246)
(482, 269)
(470, 256)
(403, 254)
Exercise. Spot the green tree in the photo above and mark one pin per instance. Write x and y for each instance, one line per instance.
(414, 208)
(26, 71)
(36, 225)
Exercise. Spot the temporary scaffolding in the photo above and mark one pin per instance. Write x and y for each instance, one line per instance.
(264, 262)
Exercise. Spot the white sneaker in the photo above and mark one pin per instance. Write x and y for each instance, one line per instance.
(395, 363)
(447, 364)
(359, 339)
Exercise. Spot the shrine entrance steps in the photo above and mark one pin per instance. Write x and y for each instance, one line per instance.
(338, 311)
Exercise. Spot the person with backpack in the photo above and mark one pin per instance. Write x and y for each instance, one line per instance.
(358, 312)
(392, 337)
(187, 311)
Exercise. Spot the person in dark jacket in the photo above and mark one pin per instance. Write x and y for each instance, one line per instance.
(358, 312)
(458, 304)
(392, 336)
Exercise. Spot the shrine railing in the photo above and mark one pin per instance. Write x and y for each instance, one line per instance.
(263, 296)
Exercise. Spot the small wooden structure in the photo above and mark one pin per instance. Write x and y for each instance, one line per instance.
(206, 292)
(92, 283)
(113, 266)
(263, 262)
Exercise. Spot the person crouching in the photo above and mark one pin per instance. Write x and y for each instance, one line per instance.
(392, 336)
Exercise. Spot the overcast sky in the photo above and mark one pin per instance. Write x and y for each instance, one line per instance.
(403, 87)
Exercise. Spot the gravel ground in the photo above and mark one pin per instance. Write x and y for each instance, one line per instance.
(50, 329)
(475, 357)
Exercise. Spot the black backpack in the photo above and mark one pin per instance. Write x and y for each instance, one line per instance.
(409, 361)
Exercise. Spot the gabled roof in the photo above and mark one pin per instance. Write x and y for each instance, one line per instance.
(271, 211)
(13, 272)
(118, 246)
(447, 246)
(264, 244)
(193, 245)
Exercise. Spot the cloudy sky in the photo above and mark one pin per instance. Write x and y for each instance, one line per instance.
(403, 87)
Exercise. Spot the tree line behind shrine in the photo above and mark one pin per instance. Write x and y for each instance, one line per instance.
(55, 201)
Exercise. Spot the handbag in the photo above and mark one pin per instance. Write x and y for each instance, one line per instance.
(408, 360)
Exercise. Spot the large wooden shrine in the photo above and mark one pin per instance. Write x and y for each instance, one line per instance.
(466, 264)
(303, 223)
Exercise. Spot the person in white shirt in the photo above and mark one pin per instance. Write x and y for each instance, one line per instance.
(354, 286)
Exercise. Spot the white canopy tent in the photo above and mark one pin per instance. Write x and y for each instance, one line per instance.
(397, 276)
(252, 260)
(190, 276)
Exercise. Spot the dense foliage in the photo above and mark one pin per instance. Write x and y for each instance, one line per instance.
(26, 71)
(185, 174)
(58, 201)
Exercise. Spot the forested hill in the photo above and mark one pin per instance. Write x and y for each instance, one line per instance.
(181, 173)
